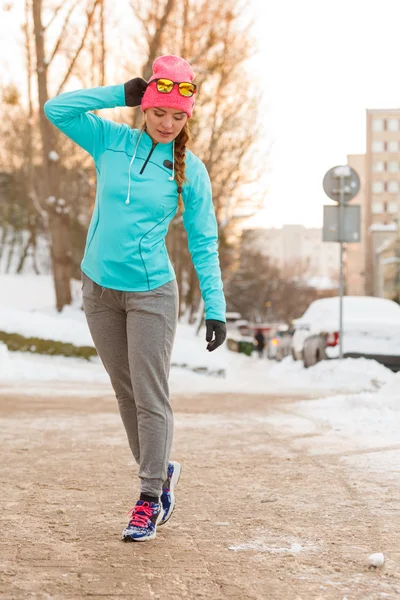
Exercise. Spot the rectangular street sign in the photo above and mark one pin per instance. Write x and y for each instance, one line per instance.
(351, 220)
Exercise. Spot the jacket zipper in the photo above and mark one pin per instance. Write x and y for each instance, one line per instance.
(148, 158)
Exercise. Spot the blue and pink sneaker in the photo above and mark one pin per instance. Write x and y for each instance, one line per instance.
(143, 522)
(168, 494)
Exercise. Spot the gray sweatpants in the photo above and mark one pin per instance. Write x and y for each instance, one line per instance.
(134, 333)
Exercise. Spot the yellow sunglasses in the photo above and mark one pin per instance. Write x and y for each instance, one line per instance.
(165, 86)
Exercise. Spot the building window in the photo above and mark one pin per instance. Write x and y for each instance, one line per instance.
(393, 124)
(379, 166)
(378, 146)
(393, 187)
(378, 187)
(393, 207)
(393, 166)
(393, 147)
(378, 208)
(378, 125)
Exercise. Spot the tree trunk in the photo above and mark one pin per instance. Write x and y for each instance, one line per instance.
(3, 240)
(11, 250)
(34, 250)
(154, 45)
(58, 223)
(102, 46)
(24, 253)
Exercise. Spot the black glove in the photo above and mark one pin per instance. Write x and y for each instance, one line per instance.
(134, 90)
(217, 327)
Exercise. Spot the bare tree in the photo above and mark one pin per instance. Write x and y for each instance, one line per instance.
(18, 218)
(263, 291)
(154, 18)
(56, 207)
(214, 37)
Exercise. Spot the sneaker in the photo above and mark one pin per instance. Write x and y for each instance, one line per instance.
(168, 495)
(143, 522)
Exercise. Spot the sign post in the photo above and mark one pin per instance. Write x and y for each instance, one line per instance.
(342, 184)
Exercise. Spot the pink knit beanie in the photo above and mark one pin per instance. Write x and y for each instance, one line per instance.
(174, 68)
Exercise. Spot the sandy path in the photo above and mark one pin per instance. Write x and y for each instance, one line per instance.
(259, 515)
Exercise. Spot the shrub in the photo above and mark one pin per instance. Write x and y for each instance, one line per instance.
(16, 342)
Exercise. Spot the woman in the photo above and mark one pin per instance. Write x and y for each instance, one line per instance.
(130, 294)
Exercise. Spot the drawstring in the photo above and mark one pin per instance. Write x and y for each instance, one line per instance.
(127, 201)
(173, 162)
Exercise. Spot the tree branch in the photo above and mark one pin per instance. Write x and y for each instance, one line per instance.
(154, 41)
(62, 32)
(80, 48)
(53, 18)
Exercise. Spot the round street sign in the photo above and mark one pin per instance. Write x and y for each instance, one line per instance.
(341, 177)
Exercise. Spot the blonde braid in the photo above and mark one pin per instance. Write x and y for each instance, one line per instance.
(180, 152)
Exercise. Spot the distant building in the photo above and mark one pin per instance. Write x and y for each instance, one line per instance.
(355, 254)
(382, 189)
(296, 248)
(379, 199)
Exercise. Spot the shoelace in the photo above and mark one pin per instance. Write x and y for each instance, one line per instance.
(140, 514)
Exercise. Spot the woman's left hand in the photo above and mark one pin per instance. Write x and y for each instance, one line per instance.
(215, 334)
(134, 91)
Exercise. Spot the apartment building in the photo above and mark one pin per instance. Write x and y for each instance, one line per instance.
(379, 199)
(382, 187)
(354, 255)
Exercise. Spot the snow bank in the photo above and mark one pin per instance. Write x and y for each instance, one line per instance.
(350, 374)
(323, 314)
(389, 395)
(22, 366)
(36, 324)
(27, 307)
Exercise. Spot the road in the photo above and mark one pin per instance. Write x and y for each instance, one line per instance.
(261, 512)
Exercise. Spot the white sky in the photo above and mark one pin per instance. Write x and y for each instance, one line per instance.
(321, 64)
(324, 62)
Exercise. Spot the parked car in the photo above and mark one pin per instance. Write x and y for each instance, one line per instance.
(279, 345)
(298, 337)
(371, 328)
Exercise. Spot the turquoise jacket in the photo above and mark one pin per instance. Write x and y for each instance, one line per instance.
(136, 201)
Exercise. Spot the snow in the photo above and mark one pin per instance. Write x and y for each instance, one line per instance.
(390, 260)
(382, 227)
(361, 424)
(376, 560)
(54, 156)
(259, 545)
(352, 410)
(21, 366)
(371, 325)
(356, 374)
(10, 256)
(27, 307)
(359, 308)
(342, 171)
(322, 283)
(35, 324)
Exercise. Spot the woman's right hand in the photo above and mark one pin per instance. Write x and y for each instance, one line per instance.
(134, 90)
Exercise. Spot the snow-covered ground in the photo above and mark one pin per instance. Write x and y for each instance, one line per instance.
(357, 399)
(27, 307)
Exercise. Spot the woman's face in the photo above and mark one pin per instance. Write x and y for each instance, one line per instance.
(164, 124)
